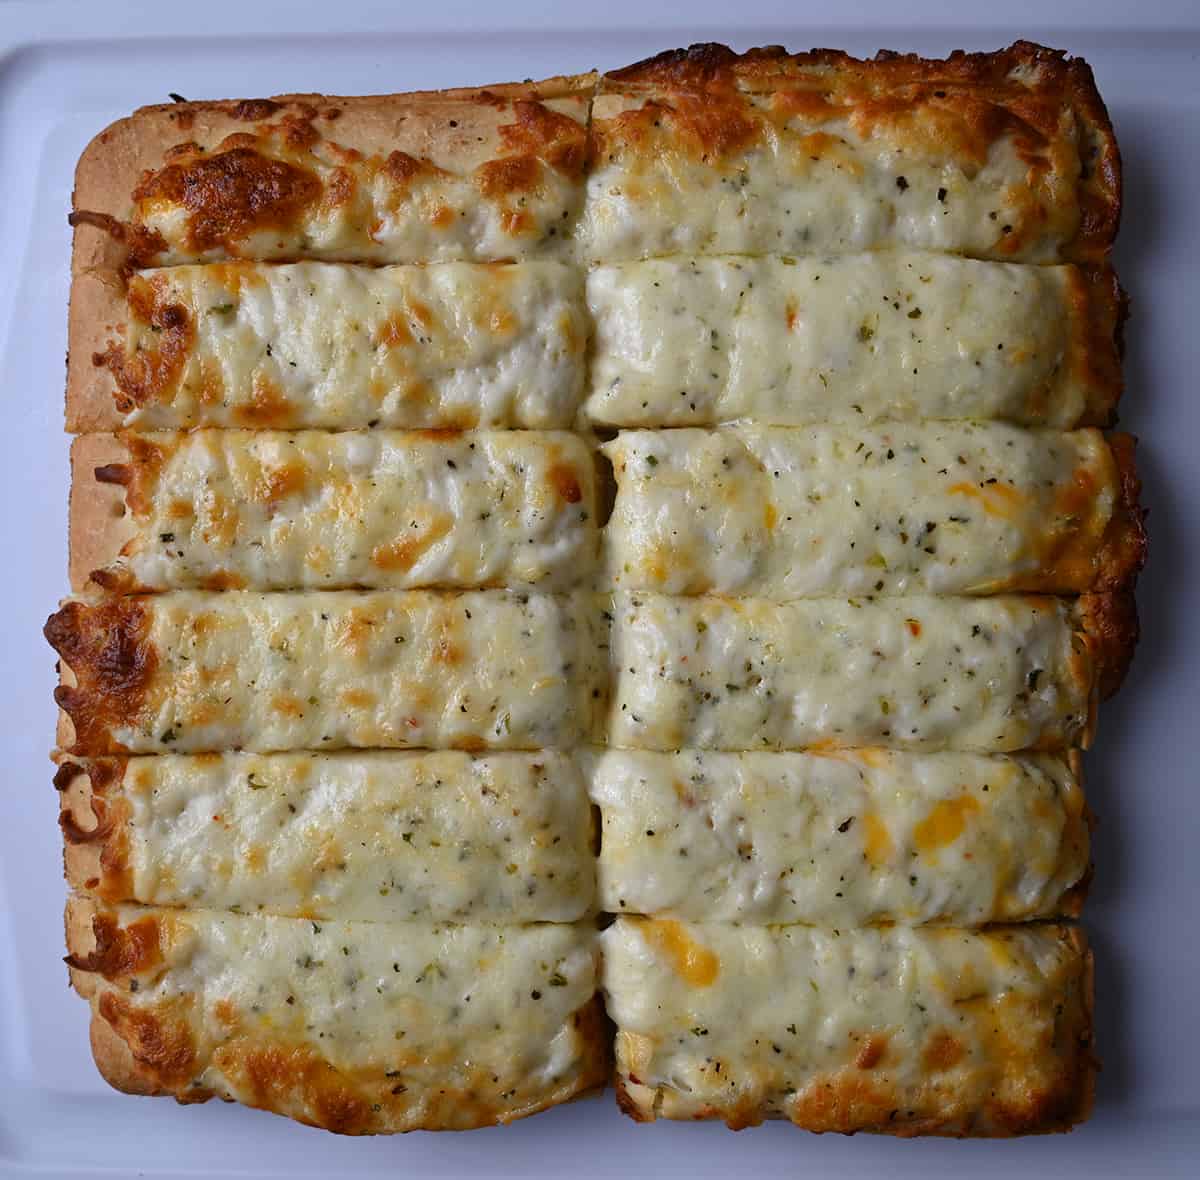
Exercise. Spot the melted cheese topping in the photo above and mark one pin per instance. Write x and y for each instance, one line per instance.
(787, 341)
(852, 1029)
(382, 509)
(952, 508)
(994, 674)
(310, 344)
(846, 838)
(322, 670)
(366, 1027)
(750, 174)
(382, 837)
(285, 190)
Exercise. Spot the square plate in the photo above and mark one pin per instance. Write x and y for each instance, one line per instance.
(66, 71)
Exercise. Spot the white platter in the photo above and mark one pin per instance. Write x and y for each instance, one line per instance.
(66, 70)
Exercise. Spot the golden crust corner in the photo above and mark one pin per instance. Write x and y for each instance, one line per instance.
(1110, 622)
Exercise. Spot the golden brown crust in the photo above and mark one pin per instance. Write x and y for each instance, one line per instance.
(155, 149)
(1103, 547)
(1090, 1064)
(116, 1063)
(112, 663)
(1123, 547)
(1035, 94)
(713, 66)
(97, 316)
(138, 377)
(1111, 629)
(80, 940)
(99, 524)
(98, 944)
(628, 1102)
(1072, 902)
(112, 1052)
(1097, 344)
(94, 818)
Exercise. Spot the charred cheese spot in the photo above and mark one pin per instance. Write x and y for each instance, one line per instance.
(421, 312)
(107, 649)
(210, 385)
(394, 333)
(222, 519)
(143, 245)
(944, 824)
(147, 460)
(843, 1102)
(944, 1051)
(406, 550)
(508, 176)
(564, 479)
(705, 129)
(121, 950)
(402, 168)
(554, 137)
(268, 405)
(223, 580)
(690, 960)
(159, 1039)
(231, 195)
(143, 376)
(295, 1079)
(277, 484)
(340, 189)
(871, 1052)
(288, 705)
(254, 110)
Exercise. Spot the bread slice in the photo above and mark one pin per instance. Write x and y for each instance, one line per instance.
(356, 1027)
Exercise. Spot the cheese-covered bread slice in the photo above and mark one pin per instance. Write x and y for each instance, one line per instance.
(841, 838)
(274, 510)
(897, 1030)
(193, 671)
(356, 1027)
(857, 337)
(327, 345)
(988, 674)
(897, 508)
(1006, 155)
(381, 836)
(481, 174)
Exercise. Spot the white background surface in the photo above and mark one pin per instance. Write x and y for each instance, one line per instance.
(66, 70)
